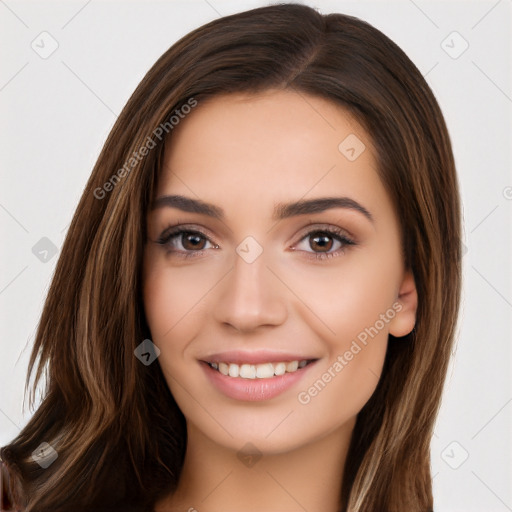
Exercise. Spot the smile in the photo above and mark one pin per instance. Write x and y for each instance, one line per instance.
(258, 371)
(256, 382)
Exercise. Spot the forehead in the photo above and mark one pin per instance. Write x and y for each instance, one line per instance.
(269, 147)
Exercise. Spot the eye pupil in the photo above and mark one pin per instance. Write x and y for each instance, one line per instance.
(193, 239)
(323, 241)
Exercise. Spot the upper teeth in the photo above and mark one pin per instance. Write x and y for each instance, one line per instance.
(257, 371)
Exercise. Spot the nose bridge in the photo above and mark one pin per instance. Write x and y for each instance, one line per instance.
(251, 295)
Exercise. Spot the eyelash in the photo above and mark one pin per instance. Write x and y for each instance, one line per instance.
(175, 231)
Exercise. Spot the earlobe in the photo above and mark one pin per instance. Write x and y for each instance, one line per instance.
(405, 319)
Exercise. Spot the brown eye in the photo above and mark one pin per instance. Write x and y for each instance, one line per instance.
(192, 241)
(185, 242)
(324, 243)
(321, 242)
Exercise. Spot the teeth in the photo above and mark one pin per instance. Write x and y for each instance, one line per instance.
(291, 367)
(280, 368)
(264, 371)
(258, 371)
(247, 371)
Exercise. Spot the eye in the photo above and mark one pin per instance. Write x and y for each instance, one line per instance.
(320, 243)
(324, 243)
(185, 242)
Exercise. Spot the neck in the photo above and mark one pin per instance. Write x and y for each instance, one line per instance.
(217, 479)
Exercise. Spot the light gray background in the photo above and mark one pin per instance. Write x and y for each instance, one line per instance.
(57, 111)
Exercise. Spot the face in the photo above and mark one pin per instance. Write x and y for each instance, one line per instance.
(280, 264)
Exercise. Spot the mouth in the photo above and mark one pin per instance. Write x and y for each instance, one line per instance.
(259, 371)
(251, 382)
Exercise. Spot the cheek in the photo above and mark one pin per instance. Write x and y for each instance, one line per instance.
(172, 299)
(358, 317)
(176, 303)
(170, 304)
(352, 307)
(340, 389)
(341, 301)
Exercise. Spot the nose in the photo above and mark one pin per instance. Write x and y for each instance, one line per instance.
(251, 297)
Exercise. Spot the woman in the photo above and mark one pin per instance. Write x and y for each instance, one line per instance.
(256, 301)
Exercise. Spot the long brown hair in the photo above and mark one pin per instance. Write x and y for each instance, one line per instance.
(118, 433)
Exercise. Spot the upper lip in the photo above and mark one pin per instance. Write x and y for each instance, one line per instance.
(255, 357)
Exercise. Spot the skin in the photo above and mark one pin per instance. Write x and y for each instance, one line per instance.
(245, 153)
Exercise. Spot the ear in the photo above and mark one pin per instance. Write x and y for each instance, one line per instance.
(407, 304)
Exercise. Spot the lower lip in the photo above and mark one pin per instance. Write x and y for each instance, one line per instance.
(254, 390)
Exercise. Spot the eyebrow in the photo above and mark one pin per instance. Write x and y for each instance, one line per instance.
(281, 210)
